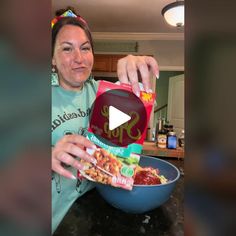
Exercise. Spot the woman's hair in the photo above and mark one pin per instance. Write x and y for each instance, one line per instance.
(77, 21)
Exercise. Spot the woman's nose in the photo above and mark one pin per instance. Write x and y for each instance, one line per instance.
(77, 56)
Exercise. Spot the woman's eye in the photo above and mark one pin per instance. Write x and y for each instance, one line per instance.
(86, 48)
(67, 49)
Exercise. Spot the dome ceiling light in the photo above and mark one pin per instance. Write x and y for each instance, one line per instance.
(174, 13)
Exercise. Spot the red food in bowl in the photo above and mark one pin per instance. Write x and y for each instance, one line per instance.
(145, 177)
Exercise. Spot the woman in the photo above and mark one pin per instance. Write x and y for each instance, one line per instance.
(73, 93)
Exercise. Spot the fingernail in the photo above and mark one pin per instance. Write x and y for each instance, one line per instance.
(73, 177)
(137, 94)
(150, 91)
(94, 147)
(94, 161)
(157, 76)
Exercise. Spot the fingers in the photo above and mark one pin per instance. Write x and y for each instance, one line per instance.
(65, 151)
(122, 71)
(145, 75)
(146, 65)
(57, 167)
(133, 76)
(127, 72)
(128, 67)
(69, 160)
(152, 63)
(76, 151)
(78, 140)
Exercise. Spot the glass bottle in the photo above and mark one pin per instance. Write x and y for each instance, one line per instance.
(161, 139)
(171, 140)
(181, 139)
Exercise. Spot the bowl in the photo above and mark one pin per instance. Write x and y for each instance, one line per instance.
(142, 198)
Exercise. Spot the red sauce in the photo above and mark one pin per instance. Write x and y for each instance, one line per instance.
(144, 177)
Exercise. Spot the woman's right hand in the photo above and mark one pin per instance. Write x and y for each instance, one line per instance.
(65, 152)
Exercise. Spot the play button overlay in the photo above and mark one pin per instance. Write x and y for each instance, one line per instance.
(117, 118)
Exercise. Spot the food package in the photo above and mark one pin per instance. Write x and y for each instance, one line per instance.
(117, 154)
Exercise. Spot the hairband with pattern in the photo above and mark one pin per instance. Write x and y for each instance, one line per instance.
(67, 13)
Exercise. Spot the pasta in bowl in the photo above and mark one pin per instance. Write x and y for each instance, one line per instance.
(143, 197)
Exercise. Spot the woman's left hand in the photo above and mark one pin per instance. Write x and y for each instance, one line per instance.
(129, 66)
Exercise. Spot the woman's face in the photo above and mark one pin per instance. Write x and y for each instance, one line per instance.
(73, 57)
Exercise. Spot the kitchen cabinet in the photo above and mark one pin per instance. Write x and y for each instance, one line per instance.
(105, 62)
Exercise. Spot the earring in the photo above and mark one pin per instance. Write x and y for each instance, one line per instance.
(54, 77)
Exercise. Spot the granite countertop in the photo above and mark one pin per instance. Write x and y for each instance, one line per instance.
(90, 215)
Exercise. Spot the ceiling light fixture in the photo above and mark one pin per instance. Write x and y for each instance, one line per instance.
(174, 13)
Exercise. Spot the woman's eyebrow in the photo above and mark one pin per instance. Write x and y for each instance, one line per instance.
(66, 42)
(85, 43)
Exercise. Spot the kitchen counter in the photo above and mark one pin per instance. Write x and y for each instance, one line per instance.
(150, 148)
(90, 215)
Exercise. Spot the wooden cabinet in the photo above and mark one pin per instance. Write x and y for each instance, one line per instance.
(114, 62)
(106, 63)
(102, 63)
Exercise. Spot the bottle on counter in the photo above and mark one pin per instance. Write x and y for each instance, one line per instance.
(171, 140)
(153, 134)
(168, 128)
(161, 139)
(181, 139)
(159, 124)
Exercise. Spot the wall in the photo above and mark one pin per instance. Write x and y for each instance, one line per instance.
(168, 53)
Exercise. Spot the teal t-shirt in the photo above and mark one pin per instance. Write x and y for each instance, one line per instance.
(70, 115)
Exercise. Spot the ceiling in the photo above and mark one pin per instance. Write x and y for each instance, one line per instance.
(132, 20)
(123, 16)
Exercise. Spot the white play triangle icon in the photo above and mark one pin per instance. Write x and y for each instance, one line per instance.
(117, 118)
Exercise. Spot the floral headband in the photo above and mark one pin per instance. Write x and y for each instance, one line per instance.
(67, 13)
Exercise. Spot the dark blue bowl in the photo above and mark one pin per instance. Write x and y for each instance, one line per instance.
(142, 198)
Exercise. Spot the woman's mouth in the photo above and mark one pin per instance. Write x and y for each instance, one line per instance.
(79, 69)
